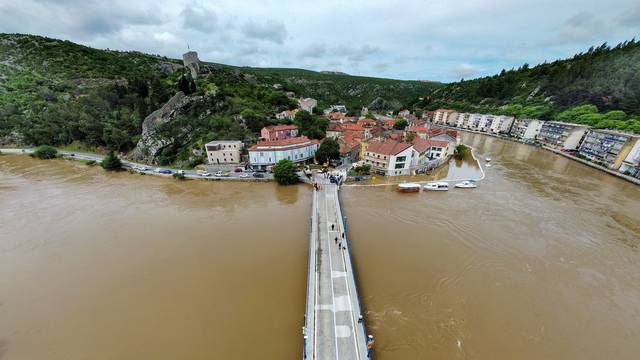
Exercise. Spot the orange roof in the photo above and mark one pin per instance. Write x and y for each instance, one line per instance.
(393, 136)
(352, 127)
(387, 147)
(418, 129)
(445, 110)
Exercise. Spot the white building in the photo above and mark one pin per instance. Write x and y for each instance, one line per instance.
(307, 104)
(287, 115)
(501, 124)
(526, 129)
(473, 122)
(268, 153)
(631, 164)
(335, 108)
(445, 117)
(463, 118)
(223, 152)
(390, 158)
(561, 135)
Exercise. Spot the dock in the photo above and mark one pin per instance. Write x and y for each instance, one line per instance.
(334, 323)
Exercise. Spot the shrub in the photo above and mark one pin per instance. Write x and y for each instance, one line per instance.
(111, 162)
(328, 150)
(461, 151)
(45, 152)
(363, 169)
(91, 163)
(179, 176)
(285, 172)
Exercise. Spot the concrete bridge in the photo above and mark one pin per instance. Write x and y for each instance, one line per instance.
(334, 325)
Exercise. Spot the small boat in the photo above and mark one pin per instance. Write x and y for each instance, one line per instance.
(488, 165)
(467, 184)
(437, 186)
(408, 188)
(487, 159)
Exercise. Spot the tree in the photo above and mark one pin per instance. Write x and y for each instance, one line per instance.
(311, 126)
(45, 152)
(328, 150)
(111, 162)
(461, 151)
(285, 172)
(252, 120)
(400, 124)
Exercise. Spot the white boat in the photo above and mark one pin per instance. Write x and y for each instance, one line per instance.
(437, 186)
(408, 187)
(487, 159)
(467, 184)
(488, 165)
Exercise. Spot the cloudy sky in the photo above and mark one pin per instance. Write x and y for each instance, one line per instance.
(440, 40)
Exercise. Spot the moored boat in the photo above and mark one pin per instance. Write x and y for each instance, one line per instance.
(408, 187)
(487, 159)
(437, 186)
(467, 184)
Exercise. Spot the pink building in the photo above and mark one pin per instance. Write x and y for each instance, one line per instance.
(278, 132)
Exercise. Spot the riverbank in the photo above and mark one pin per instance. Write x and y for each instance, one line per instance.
(556, 151)
(135, 167)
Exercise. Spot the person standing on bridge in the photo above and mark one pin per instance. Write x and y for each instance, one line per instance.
(336, 239)
(370, 345)
(333, 226)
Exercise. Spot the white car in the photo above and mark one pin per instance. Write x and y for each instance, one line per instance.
(245, 175)
(181, 172)
(218, 174)
(204, 173)
(158, 170)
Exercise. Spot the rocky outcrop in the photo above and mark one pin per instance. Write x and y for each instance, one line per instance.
(149, 145)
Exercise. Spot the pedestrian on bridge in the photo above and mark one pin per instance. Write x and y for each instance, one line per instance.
(370, 346)
(336, 239)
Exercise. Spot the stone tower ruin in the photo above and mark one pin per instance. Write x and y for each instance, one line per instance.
(191, 61)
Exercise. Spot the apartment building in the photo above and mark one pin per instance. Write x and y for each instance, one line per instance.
(561, 135)
(445, 117)
(607, 147)
(278, 132)
(631, 164)
(268, 153)
(501, 124)
(526, 129)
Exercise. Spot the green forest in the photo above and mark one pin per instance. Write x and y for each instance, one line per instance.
(600, 88)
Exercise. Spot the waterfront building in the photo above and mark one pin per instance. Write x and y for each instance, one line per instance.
(463, 118)
(278, 132)
(474, 122)
(526, 129)
(561, 135)
(610, 148)
(390, 158)
(631, 164)
(428, 150)
(445, 117)
(501, 124)
(267, 153)
(223, 152)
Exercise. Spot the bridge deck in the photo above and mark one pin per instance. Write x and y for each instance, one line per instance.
(334, 329)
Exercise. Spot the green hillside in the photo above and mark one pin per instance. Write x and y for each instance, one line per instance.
(58, 92)
(600, 87)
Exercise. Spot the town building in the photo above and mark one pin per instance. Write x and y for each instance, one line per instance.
(445, 117)
(307, 104)
(631, 164)
(473, 123)
(278, 132)
(390, 158)
(462, 119)
(267, 153)
(429, 150)
(223, 152)
(501, 124)
(335, 108)
(526, 129)
(349, 149)
(287, 115)
(561, 135)
(609, 148)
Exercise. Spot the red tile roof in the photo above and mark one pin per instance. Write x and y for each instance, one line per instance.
(387, 147)
(421, 145)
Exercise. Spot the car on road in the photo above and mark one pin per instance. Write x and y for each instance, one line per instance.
(143, 168)
(204, 173)
(238, 170)
(245, 175)
(181, 172)
(163, 171)
(218, 174)
(258, 175)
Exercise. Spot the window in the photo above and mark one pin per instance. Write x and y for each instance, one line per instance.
(401, 158)
(400, 166)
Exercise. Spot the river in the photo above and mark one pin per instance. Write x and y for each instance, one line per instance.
(540, 261)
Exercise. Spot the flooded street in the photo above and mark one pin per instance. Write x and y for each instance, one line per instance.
(119, 266)
(541, 261)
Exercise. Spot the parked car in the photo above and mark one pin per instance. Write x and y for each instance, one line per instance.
(258, 175)
(244, 175)
(218, 174)
(204, 173)
(181, 172)
(158, 170)
(165, 171)
(238, 170)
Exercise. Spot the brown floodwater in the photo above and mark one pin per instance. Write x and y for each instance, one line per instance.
(118, 266)
(541, 261)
